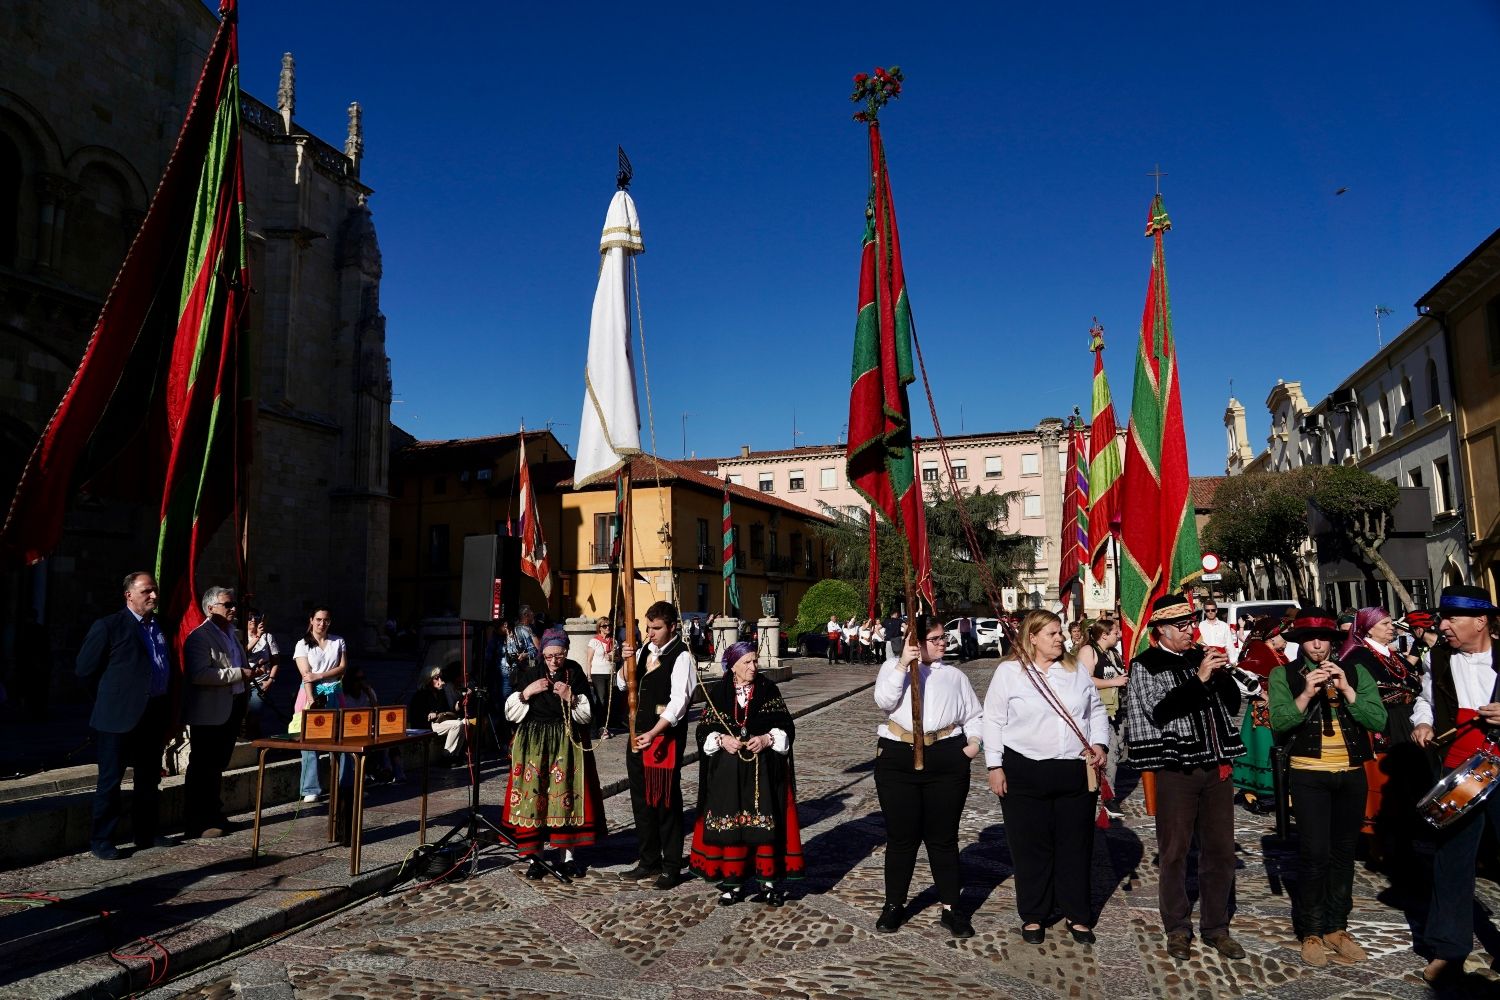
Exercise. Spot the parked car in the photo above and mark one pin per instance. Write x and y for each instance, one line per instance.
(986, 631)
(1233, 611)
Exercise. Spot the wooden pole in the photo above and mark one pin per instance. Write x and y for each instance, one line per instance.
(914, 673)
(627, 571)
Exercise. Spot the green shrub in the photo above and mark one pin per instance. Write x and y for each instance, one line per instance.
(825, 599)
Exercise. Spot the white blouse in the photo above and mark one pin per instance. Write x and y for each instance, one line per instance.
(948, 699)
(1016, 715)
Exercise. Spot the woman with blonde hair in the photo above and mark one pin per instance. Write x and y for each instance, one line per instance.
(1046, 735)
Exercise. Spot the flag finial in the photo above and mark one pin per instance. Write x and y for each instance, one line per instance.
(626, 172)
(875, 91)
(1096, 336)
(1158, 174)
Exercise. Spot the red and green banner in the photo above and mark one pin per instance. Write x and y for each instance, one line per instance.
(533, 544)
(881, 463)
(731, 587)
(159, 411)
(1105, 463)
(1075, 519)
(1160, 553)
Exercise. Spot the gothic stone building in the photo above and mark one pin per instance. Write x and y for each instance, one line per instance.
(92, 93)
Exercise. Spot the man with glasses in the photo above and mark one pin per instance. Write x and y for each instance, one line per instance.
(1181, 704)
(125, 659)
(1458, 713)
(1212, 632)
(218, 676)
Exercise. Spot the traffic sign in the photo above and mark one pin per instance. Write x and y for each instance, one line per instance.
(1210, 562)
(1211, 577)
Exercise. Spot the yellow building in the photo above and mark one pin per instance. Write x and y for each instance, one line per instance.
(678, 539)
(1467, 305)
(446, 491)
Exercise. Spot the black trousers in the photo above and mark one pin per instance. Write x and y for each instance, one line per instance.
(1449, 933)
(1049, 824)
(1330, 807)
(212, 748)
(922, 807)
(657, 828)
(1195, 802)
(140, 750)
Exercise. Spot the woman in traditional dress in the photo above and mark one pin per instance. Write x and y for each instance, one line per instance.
(1100, 657)
(1253, 773)
(1401, 773)
(553, 797)
(747, 829)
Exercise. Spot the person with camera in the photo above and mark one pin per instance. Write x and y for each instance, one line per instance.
(552, 798)
(321, 659)
(265, 658)
(1324, 712)
(1180, 710)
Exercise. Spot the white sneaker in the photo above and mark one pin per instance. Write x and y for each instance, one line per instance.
(1112, 814)
(309, 798)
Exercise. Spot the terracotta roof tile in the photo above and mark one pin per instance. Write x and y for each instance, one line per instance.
(1202, 489)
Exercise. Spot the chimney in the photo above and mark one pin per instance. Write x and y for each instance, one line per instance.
(744, 451)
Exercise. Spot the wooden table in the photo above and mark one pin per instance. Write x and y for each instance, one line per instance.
(358, 750)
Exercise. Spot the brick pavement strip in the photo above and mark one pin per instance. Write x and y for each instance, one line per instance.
(499, 935)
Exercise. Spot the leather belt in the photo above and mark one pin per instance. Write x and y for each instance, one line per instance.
(928, 739)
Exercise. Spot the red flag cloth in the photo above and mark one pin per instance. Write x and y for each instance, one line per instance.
(533, 545)
(159, 411)
(1105, 463)
(881, 453)
(1073, 551)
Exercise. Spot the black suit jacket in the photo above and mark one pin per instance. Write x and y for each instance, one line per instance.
(115, 661)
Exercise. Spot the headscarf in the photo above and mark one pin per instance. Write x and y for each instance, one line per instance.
(1363, 622)
(554, 637)
(735, 653)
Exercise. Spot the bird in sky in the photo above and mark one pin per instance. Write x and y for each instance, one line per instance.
(1339, 191)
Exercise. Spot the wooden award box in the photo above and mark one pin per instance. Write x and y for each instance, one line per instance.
(390, 720)
(320, 725)
(356, 724)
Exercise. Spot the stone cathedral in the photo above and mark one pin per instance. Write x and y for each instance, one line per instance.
(92, 93)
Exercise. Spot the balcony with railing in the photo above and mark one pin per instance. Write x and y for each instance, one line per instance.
(781, 565)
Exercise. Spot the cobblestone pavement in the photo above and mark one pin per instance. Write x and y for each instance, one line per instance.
(498, 935)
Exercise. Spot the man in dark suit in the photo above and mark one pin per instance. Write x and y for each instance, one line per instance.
(125, 659)
(217, 674)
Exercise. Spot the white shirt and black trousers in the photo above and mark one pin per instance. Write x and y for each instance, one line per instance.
(924, 807)
(1456, 682)
(662, 693)
(1048, 807)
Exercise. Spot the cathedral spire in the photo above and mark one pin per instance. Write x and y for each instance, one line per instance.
(286, 91)
(354, 145)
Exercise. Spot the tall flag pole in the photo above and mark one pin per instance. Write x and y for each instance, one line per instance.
(159, 411)
(533, 545)
(1105, 463)
(1075, 519)
(610, 429)
(731, 587)
(1160, 551)
(881, 464)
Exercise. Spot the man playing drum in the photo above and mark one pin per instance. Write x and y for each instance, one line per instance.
(1460, 701)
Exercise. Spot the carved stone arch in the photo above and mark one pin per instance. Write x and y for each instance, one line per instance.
(29, 157)
(20, 119)
(104, 211)
(81, 158)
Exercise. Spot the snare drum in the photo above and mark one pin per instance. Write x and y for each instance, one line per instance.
(1462, 789)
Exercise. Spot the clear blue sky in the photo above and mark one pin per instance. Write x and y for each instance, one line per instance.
(1019, 154)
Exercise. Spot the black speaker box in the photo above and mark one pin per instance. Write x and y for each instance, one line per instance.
(492, 578)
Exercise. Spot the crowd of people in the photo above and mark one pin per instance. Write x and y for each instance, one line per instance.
(1358, 715)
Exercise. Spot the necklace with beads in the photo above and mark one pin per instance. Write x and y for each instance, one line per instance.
(743, 722)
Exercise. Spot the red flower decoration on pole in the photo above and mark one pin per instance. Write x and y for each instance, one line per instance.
(874, 92)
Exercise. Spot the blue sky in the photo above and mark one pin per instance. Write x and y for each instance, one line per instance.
(1019, 154)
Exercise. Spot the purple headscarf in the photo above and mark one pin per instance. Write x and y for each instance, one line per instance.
(735, 653)
(1363, 621)
(554, 637)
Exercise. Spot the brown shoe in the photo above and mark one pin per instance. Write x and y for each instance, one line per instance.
(1314, 952)
(1344, 946)
(1180, 946)
(1226, 946)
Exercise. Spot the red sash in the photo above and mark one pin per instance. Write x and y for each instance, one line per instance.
(1470, 739)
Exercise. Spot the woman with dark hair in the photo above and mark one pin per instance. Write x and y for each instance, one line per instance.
(1100, 656)
(1045, 729)
(321, 659)
(553, 796)
(747, 809)
(924, 807)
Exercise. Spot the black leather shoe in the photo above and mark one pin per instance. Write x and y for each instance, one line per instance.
(957, 923)
(1083, 935)
(535, 871)
(1180, 947)
(570, 869)
(890, 918)
(772, 897)
(668, 880)
(640, 873)
(1033, 935)
(105, 852)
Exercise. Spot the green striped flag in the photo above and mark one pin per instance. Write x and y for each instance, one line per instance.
(731, 586)
(1104, 462)
(159, 410)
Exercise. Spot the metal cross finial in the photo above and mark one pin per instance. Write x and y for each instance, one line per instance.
(622, 179)
(1158, 174)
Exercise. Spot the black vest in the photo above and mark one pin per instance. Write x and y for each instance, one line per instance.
(1445, 691)
(1307, 739)
(654, 690)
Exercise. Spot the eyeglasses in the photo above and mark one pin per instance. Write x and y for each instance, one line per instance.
(1181, 626)
(226, 604)
(936, 638)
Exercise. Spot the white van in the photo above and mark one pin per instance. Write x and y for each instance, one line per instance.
(1232, 612)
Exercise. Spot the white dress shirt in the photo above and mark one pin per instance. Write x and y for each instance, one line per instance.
(682, 682)
(948, 699)
(1212, 632)
(1473, 680)
(1017, 716)
(778, 736)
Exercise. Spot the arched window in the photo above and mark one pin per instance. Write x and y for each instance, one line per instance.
(96, 229)
(10, 200)
(1434, 390)
(1405, 415)
(1385, 416)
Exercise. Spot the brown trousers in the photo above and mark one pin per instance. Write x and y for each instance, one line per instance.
(1188, 803)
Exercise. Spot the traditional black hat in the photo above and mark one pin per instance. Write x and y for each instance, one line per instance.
(1170, 609)
(1313, 623)
(1464, 600)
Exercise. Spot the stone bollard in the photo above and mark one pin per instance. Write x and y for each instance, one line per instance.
(580, 631)
(768, 647)
(726, 634)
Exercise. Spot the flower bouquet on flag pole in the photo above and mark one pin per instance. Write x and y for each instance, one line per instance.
(880, 457)
(609, 434)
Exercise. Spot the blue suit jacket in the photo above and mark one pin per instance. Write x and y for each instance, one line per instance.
(114, 659)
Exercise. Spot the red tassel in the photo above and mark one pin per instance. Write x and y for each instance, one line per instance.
(660, 760)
